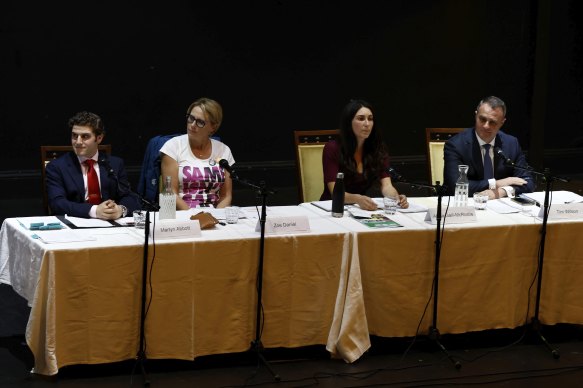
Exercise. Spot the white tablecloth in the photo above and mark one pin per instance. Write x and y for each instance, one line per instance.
(334, 285)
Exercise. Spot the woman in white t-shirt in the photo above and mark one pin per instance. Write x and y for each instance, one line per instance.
(192, 160)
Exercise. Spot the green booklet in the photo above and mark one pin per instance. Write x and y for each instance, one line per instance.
(378, 220)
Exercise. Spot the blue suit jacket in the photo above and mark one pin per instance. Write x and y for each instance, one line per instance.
(464, 148)
(66, 190)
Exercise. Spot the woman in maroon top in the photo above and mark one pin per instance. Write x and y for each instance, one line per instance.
(361, 155)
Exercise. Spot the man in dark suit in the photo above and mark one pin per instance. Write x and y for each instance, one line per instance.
(470, 146)
(83, 183)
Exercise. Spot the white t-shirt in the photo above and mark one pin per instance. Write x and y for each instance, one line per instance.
(200, 179)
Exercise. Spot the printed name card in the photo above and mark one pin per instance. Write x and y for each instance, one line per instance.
(282, 225)
(167, 229)
(563, 211)
(455, 215)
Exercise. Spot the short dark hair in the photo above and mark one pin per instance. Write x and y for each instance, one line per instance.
(88, 119)
(494, 103)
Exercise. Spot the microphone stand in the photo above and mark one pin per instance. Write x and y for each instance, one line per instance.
(434, 334)
(124, 187)
(141, 355)
(548, 178)
(256, 344)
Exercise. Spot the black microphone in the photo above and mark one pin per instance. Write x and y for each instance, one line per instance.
(225, 166)
(123, 186)
(103, 162)
(506, 159)
(395, 175)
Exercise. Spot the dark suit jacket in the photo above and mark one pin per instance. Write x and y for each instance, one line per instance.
(66, 191)
(464, 148)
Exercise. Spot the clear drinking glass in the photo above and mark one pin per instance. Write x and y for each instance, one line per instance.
(139, 219)
(480, 201)
(390, 204)
(232, 214)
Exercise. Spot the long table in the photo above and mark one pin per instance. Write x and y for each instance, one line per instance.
(487, 272)
(335, 285)
(86, 296)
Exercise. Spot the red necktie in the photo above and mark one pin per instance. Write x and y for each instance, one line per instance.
(94, 195)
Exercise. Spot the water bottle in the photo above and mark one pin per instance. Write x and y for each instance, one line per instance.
(180, 191)
(338, 196)
(462, 187)
(167, 201)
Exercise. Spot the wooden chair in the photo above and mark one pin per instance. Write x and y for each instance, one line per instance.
(435, 141)
(309, 146)
(49, 153)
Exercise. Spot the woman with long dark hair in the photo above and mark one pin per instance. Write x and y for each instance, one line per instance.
(361, 155)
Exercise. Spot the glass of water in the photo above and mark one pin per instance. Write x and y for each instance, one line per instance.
(232, 214)
(139, 219)
(480, 201)
(390, 204)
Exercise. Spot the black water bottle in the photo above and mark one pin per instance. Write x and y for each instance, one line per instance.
(338, 196)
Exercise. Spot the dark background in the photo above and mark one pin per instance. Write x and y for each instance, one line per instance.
(280, 66)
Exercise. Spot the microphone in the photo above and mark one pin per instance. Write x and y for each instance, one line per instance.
(506, 159)
(225, 166)
(122, 185)
(395, 175)
(103, 162)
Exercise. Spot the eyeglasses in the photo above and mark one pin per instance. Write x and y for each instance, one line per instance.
(191, 119)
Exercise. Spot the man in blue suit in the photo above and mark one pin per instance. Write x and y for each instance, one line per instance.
(470, 146)
(83, 183)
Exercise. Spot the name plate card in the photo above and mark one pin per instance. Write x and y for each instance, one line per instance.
(283, 225)
(563, 211)
(167, 229)
(455, 215)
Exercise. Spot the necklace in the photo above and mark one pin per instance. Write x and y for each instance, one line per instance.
(202, 152)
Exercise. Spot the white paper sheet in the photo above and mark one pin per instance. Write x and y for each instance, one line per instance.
(324, 205)
(61, 236)
(560, 196)
(357, 212)
(88, 222)
(413, 207)
(504, 206)
(25, 222)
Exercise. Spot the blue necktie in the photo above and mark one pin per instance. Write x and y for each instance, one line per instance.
(488, 171)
